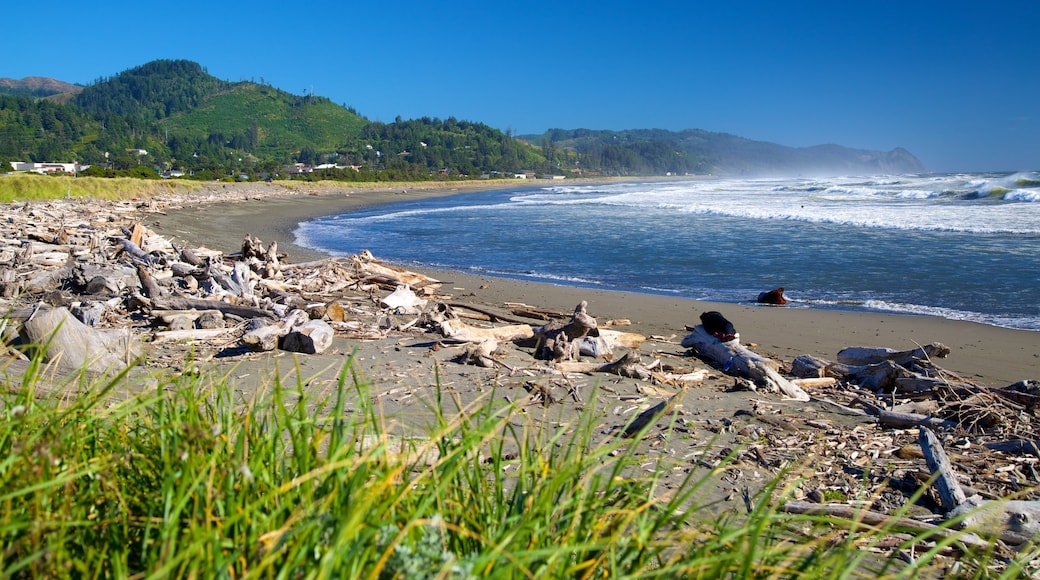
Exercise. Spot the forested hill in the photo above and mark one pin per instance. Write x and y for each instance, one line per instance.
(698, 151)
(172, 115)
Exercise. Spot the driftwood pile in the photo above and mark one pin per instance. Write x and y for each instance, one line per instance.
(101, 290)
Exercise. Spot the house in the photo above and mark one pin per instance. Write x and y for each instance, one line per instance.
(48, 168)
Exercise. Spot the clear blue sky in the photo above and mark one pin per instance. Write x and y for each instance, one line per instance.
(957, 83)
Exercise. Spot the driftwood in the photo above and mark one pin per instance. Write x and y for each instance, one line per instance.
(312, 337)
(652, 414)
(909, 420)
(561, 340)
(69, 344)
(1014, 522)
(605, 341)
(404, 301)
(862, 356)
(461, 332)
(872, 519)
(265, 337)
(367, 266)
(735, 359)
(186, 303)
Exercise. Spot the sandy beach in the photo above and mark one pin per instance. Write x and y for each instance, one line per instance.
(990, 355)
(398, 366)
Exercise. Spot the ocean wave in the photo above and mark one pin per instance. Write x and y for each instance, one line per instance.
(1022, 195)
(533, 275)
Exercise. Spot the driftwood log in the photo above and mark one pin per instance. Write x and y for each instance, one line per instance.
(735, 359)
(69, 344)
(1014, 522)
(862, 355)
(368, 267)
(559, 340)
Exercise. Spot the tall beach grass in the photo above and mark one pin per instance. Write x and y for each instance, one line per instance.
(188, 478)
(34, 187)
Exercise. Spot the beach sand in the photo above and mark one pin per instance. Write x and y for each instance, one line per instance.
(990, 355)
(817, 445)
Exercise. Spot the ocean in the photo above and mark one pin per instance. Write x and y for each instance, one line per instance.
(958, 246)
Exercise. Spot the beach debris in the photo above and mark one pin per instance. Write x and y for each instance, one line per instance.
(71, 345)
(558, 341)
(737, 360)
(127, 293)
(403, 300)
(372, 270)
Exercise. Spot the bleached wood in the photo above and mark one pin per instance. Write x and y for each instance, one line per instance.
(72, 345)
(462, 332)
(738, 360)
(312, 337)
(404, 301)
(864, 355)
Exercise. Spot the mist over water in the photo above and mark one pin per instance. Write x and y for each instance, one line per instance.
(963, 246)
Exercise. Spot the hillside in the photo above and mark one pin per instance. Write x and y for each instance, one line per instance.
(37, 87)
(172, 115)
(699, 151)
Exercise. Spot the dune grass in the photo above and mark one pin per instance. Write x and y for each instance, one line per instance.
(33, 187)
(189, 478)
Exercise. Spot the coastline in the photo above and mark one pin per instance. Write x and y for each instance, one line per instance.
(989, 355)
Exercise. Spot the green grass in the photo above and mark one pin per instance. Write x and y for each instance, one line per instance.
(34, 187)
(192, 479)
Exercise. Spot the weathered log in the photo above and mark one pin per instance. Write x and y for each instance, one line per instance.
(241, 278)
(560, 340)
(190, 335)
(1016, 446)
(909, 420)
(862, 355)
(489, 315)
(815, 382)
(90, 313)
(877, 376)
(652, 414)
(69, 344)
(366, 265)
(46, 280)
(857, 516)
(266, 337)
(135, 251)
(189, 257)
(223, 280)
(184, 303)
(479, 354)
(312, 337)
(1014, 522)
(735, 359)
(8, 283)
(148, 284)
(272, 267)
(460, 331)
(807, 366)
(950, 493)
(628, 365)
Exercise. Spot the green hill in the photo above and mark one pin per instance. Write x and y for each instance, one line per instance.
(173, 115)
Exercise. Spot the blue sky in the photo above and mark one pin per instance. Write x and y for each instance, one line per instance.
(957, 83)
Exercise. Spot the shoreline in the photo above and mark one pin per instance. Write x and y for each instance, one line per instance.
(990, 355)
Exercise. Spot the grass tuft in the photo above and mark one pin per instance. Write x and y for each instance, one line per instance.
(191, 479)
